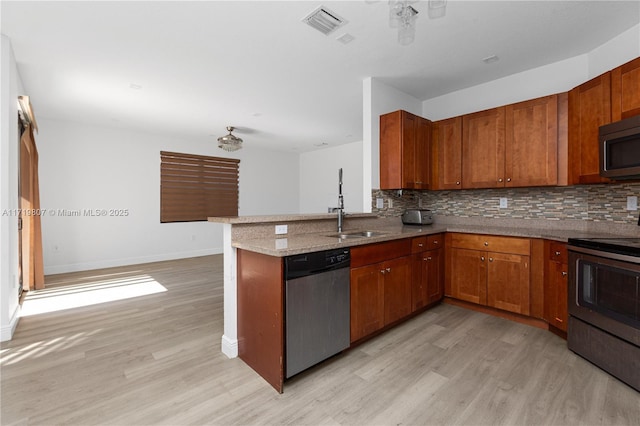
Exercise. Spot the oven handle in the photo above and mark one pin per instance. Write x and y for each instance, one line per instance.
(605, 254)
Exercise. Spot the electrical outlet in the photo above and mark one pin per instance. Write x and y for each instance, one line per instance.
(281, 229)
(632, 203)
(379, 203)
(281, 243)
(390, 203)
(503, 203)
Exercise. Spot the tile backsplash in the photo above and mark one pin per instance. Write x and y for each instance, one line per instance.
(597, 203)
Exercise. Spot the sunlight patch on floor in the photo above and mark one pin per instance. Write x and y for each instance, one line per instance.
(69, 297)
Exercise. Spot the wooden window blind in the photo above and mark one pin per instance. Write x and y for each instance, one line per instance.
(195, 187)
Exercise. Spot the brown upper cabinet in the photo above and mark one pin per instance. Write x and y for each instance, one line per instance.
(589, 108)
(405, 146)
(483, 141)
(625, 90)
(447, 154)
(511, 146)
(531, 151)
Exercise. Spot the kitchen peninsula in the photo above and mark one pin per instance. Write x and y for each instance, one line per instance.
(317, 232)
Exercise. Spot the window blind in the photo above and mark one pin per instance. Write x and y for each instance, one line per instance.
(195, 187)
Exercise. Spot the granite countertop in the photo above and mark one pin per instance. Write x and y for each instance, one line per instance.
(236, 220)
(306, 243)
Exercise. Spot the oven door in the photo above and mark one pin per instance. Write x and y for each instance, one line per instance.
(605, 292)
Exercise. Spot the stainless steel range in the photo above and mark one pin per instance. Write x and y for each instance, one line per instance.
(604, 304)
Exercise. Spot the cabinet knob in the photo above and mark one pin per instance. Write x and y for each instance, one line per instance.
(426, 258)
(557, 253)
(508, 179)
(486, 243)
(457, 182)
(382, 271)
(429, 258)
(436, 242)
(559, 320)
(491, 259)
(482, 258)
(419, 244)
(500, 180)
(388, 269)
(564, 274)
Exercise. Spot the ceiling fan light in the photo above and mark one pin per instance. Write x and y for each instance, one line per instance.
(229, 142)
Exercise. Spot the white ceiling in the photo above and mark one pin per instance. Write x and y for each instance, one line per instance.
(200, 66)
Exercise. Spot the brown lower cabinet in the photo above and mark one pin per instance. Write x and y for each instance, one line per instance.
(489, 270)
(427, 271)
(556, 285)
(380, 286)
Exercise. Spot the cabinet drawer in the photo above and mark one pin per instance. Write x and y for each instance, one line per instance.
(427, 242)
(419, 244)
(558, 252)
(435, 241)
(513, 245)
(374, 253)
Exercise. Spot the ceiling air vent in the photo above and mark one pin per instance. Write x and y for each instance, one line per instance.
(324, 20)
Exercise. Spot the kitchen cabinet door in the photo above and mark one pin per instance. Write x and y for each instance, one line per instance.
(508, 282)
(556, 285)
(625, 90)
(483, 145)
(589, 108)
(405, 145)
(367, 300)
(435, 275)
(448, 154)
(531, 149)
(468, 275)
(397, 289)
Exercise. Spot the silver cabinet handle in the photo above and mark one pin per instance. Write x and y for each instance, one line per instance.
(382, 271)
(500, 180)
(388, 269)
(419, 244)
(436, 242)
(457, 182)
(482, 258)
(564, 274)
(486, 244)
(491, 259)
(426, 258)
(557, 253)
(429, 258)
(508, 179)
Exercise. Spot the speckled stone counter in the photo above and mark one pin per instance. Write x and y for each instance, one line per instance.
(313, 238)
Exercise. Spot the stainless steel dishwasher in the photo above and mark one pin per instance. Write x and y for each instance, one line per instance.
(317, 308)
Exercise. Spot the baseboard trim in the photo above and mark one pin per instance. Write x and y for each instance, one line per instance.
(110, 263)
(229, 347)
(523, 319)
(6, 332)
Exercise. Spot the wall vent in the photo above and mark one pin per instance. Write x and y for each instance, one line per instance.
(324, 20)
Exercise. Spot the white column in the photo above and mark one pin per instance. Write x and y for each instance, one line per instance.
(230, 336)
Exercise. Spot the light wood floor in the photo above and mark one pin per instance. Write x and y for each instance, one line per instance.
(156, 359)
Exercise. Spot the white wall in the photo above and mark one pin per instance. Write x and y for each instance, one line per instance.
(319, 178)
(558, 77)
(616, 51)
(10, 89)
(88, 167)
(378, 99)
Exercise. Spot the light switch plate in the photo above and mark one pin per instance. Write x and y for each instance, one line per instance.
(632, 202)
(281, 243)
(503, 203)
(390, 202)
(281, 229)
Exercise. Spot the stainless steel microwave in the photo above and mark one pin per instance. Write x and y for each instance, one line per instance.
(620, 149)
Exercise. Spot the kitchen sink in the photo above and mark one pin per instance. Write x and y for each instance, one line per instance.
(356, 234)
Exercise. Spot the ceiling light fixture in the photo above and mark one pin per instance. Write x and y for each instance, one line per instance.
(403, 17)
(229, 142)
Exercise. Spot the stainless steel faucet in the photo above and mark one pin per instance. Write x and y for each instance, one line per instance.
(340, 201)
